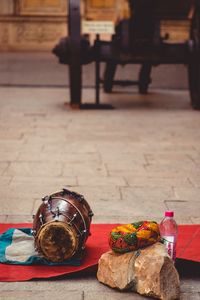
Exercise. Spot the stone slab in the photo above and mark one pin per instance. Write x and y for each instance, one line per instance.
(6, 7)
(18, 218)
(191, 296)
(45, 8)
(145, 200)
(181, 207)
(158, 181)
(29, 34)
(101, 181)
(34, 169)
(3, 166)
(113, 296)
(46, 295)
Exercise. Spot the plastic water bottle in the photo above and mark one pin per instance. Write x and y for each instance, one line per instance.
(169, 232)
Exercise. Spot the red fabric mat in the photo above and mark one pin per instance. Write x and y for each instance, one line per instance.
(188, 247)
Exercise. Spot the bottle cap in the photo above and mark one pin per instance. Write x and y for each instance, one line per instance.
(169, 213)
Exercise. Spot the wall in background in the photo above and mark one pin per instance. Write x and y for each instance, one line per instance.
(37, 25)
(31, 25)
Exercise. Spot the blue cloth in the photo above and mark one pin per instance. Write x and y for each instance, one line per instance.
(17, 247)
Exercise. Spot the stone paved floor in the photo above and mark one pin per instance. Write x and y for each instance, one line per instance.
(130, 163)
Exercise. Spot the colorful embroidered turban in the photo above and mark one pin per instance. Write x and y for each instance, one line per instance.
(130, 237)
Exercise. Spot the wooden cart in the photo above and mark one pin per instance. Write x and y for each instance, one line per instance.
(145, 32)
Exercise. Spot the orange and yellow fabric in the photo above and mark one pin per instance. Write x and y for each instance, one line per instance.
(130, 237)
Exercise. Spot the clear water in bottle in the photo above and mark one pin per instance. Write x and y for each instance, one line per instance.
(169, 232)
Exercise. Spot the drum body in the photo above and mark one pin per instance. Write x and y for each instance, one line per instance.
(61, 225)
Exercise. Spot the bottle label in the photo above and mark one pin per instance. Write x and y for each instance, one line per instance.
(169, 243)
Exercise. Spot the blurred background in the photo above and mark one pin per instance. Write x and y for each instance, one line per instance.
(30, 29)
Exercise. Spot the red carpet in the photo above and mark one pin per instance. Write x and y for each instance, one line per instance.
(188, 248)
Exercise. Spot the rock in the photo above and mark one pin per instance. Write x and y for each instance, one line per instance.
(149, 272)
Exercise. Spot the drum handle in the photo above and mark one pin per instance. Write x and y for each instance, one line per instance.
(60, 198)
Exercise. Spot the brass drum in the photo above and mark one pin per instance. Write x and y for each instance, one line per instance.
(61, 225)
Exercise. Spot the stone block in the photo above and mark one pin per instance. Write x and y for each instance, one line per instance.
(34, 169)
(46, 295)
(84, 168)
(39, 7)
(101, 181)
(149, 272)
(190, 296)
(3, 218)
(8, 156)
(147, 201)
(114, 295)
(157, 181)
(6, 7)
(19, 218)
(29, 34)
(3, 167)
(182, 207)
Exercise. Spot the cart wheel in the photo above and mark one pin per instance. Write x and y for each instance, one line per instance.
(144, 78)
(194, 62)
(109, 75)
(75, 68)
